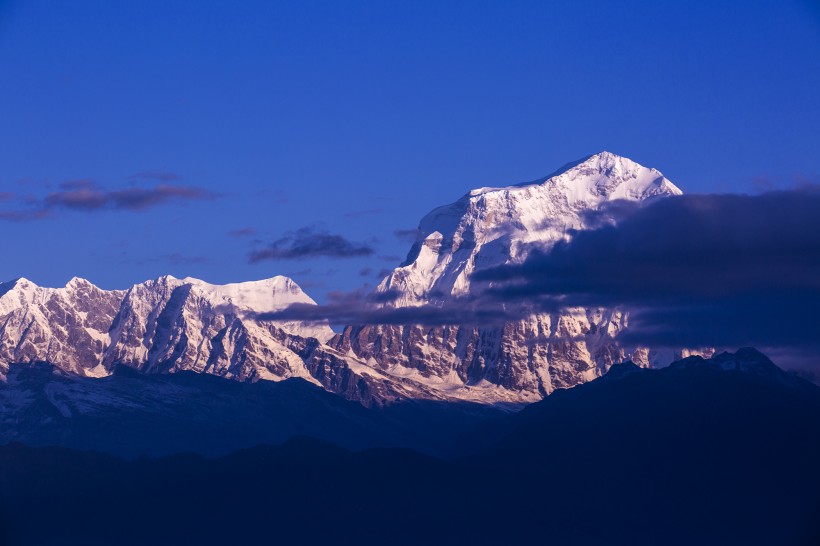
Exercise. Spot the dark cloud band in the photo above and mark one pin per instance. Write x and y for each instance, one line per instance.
(722, 270)
(716, 269)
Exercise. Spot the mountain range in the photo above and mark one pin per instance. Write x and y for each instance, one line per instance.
(171, 325)
(183, 412)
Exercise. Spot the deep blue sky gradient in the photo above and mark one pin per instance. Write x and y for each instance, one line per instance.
(363, 116)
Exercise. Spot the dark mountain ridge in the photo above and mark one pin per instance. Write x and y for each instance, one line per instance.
(707, 451)
(131, 413)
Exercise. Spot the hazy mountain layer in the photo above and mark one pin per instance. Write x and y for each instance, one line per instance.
(710, 452)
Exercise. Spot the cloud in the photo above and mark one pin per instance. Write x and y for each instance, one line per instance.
(7, 195)
(797, 181)
(89, 197)
(311, 242)
(23, 215)
(407, 235)
(692, 270)
(698, 270)
(242, 232)
(372, 273)
(366, 307)
(86, 195)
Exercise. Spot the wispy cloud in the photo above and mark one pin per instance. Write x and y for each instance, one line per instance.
(796, 181)
(242, 232)
(23, 215)
(408, 235)
(90, 197)
(363, 307)
(86, 195)
(311, 242)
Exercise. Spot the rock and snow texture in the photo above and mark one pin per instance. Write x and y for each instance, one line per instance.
(524, 360)
(493, 226)
(163, 325)
(170, 324)
(65, 326)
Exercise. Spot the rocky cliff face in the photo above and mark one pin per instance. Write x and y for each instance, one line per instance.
(164, 325)
(527, 359)
(169, 325)
(65, 326)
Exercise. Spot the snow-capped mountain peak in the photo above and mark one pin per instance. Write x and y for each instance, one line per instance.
(491, 226)
(164, 324)
(263, 295)
(170, 324)
(602, 174)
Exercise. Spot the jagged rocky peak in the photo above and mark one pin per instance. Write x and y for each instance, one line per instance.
(525, 359)
(491, 226)
(244, 300)
(263, 296)
(166, 324)
(77, 282)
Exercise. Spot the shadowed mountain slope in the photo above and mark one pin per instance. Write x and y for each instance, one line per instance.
(720, 451)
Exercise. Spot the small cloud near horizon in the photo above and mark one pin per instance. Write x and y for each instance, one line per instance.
(794, 182)
(407, 235)
(242, 232)
(311, 242)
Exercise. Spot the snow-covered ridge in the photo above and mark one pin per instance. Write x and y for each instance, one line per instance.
(595, 174)
(165, 324)
(260, 296)
(492, 226)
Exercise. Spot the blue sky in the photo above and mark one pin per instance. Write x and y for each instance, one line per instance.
(357, 118)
